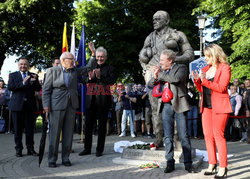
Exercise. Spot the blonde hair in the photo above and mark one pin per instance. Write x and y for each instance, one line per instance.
(216, 53)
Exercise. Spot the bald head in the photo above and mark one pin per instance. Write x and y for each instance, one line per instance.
(160, 20)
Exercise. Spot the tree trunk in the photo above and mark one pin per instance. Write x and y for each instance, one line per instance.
(2, 58)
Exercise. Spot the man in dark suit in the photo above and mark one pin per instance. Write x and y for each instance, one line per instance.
(23, 85)
(98, 100)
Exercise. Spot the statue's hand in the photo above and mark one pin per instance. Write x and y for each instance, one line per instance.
(143, 56)
(171, 44)
(149, 52)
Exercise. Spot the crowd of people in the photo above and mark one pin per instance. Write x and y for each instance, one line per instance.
(137, 113)
(127, 106)
(237, 124)
(131, 102)
(220, 107)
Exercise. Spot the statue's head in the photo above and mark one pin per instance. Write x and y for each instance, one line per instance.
(160, 20)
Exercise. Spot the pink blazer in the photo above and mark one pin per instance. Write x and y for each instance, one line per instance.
(219, 93)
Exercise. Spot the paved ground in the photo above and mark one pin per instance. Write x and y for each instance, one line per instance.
(102, 167)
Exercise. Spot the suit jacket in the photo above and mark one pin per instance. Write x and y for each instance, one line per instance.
(55, 93)
(177, 80)
(219, 93)
(100, 88)
(21, 92)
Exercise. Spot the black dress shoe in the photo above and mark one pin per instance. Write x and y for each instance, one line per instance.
(169, 169)
(32, 152)
(190, 169)
(98, 154)
(67, 164)
(52, 165)
(84, 152)
(19, 154)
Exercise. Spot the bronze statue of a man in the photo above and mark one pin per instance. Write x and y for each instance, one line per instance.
(163, 37)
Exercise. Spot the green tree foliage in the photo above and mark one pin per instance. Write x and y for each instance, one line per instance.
(232, 18)
(33, 28)
(121, 26)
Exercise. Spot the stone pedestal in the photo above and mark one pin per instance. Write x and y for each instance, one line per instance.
(139, 157)
(157, 155)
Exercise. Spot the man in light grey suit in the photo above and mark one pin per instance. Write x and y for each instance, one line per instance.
(60, 101)
(175, 75)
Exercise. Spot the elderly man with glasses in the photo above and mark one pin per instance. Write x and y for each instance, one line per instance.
(60, 101)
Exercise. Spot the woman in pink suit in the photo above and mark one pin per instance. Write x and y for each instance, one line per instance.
(213, 82)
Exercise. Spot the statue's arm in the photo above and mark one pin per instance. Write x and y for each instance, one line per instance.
(187, 54)
(146, 52)
(152, 82)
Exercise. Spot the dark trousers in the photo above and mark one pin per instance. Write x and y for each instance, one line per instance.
(232, 132)
(61, 121)
(228, 133)
(91, 117)
(248, 132)
(24, 119)
(118, 120)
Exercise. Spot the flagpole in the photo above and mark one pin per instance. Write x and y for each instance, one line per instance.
(65, 41)
(81, 60)
(72, 44)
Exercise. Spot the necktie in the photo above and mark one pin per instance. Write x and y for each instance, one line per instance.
(24, 75)
(24, 97)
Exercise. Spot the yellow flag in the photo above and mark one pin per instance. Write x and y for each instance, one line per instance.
(65, 42)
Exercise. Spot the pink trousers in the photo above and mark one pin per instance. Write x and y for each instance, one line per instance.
(213, 125)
